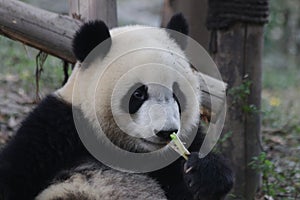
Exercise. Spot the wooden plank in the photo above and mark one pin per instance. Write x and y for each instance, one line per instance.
(38, 28)
(213, 96)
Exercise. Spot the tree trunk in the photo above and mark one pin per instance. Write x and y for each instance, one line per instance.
(86, 10)
(195, 12)
(239, 56)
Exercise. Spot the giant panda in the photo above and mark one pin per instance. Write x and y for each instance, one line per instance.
(47, 159)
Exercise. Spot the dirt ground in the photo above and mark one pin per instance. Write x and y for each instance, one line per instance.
(15, 104)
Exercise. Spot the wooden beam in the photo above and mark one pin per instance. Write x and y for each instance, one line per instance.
(213, 97)
(38, 28)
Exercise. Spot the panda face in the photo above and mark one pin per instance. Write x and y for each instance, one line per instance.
(156, 107)
(137, 88)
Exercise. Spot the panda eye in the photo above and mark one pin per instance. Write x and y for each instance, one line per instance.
(139, 95)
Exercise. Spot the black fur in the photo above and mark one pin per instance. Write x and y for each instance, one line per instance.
(178, 23)
(88, 37)
(46, 143)
(179, 97)
(125, 101)
(209, 177)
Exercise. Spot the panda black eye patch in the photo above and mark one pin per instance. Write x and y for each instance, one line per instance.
(179, 97)
(137, 99)
(134, 98)
(177, 101)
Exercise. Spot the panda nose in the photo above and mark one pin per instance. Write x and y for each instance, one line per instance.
(166, 134)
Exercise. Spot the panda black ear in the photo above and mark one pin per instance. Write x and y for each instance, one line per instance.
(178, 23)
(88, 37)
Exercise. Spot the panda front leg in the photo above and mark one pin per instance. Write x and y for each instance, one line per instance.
(207, 178)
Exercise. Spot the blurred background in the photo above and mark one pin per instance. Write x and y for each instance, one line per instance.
(280, 162)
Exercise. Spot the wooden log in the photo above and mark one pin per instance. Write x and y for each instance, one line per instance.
(213, 97)
(38, 28)
(48, 31)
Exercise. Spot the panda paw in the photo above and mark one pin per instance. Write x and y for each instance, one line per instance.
(207, 178)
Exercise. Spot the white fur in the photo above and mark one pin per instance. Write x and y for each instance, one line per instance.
(159, 113)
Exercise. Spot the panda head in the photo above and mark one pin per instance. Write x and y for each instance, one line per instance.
(135, 83)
